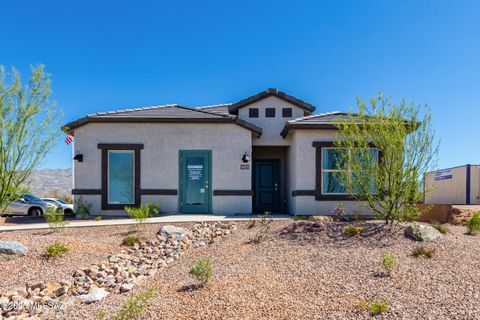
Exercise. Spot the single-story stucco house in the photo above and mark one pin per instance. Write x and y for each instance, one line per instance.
(267, 152)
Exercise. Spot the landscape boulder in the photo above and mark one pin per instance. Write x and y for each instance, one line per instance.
(420, 232)
(94, 295)
(10, 250)
(177, 232)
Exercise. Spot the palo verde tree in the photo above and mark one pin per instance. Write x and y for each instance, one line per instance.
(384, 151)
(29, 123)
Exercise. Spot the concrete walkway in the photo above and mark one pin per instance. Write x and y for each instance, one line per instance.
(121, 222)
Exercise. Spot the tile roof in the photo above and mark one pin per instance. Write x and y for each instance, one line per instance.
(321, 121)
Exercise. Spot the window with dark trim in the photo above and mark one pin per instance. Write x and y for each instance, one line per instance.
(120, 175)
(270, 112)
(330, 185)
(287, 112)
(253, 112)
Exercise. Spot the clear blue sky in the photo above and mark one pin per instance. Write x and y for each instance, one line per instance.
(107, 55)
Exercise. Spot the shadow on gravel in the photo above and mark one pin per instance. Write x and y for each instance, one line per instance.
(190, 288)
(374, 234)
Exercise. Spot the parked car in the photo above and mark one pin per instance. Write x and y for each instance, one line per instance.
(27, 204)
(66, 207)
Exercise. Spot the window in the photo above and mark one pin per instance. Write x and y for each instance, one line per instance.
(121, 177)
(333, 181)
(287, 112)
(270, 112)
(253, 112)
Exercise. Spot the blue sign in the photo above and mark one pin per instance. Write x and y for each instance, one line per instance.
(443, 174)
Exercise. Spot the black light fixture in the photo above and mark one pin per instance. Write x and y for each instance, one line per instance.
(78, 157)
(245, 157)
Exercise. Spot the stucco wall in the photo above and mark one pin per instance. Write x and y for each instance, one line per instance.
(159, 159)
(271, 127)
(302, 173)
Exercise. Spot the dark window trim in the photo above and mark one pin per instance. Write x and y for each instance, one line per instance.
(253, 112)
(287, 112)
(105, 147)
(270, 112)
(233, 192)
(86, 191)
(299, 193)
(319, 145)
(159, 192)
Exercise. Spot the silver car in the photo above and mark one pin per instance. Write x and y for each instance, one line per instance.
(27, 204)
(67, 207)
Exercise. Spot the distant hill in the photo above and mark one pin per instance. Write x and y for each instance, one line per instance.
(46, 181)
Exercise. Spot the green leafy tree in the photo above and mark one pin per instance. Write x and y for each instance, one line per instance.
(29, 124)
(384, 151)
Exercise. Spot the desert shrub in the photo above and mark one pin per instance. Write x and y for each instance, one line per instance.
(263, 229)
(374, 307)
(389, 262)
(55, 220)
(352, 231)
(135, 306)
(56, 249)
(98, 218)
(423, 252)
(473, 225)
(440, 228)
(130, 240)
(143, 212)
(339, 211)
(82, 208)
(299, 218)
(251, 223)
(202, 271)
(101, 314)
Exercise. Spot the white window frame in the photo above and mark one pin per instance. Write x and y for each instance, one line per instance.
(108, 175)
(336, 171)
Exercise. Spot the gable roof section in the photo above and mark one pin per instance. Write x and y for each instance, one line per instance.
(161, 114)
(218, 108)
(322, 121)
(233, 108)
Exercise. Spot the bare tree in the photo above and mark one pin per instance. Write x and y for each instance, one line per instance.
(29, 123)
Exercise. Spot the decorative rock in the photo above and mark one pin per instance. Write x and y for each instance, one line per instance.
(170, 230)
(420, 232)
(10, 250)
(94, 295)
(126, 287)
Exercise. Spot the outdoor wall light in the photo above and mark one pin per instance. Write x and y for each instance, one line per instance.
(245, 157)
(78, 157)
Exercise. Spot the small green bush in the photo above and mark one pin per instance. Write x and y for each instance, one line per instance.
(98, 218)
(352, 231)
(202, 271)
(440, 228)
(56, 249)
(299, 218)
(374, 307)
(473, 225)
(82, 208)
(263, 230)
(130, 240)
(55, 220)
(140, 214)
(389, 262)
(135, 306)
(423, 252)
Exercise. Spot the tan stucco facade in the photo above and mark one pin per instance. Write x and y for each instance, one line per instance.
(159, 160)
(228, 142)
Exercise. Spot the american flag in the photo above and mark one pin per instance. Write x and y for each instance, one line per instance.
(68, 139)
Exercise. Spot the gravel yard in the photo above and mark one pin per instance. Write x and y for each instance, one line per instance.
(316, 275)
(87, 245)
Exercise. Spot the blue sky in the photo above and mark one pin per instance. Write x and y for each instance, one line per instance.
(106, 55)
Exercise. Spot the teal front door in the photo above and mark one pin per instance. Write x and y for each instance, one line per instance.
(267, 196)
(195, 180)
